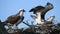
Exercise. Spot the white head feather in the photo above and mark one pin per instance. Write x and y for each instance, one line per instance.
(21, 12)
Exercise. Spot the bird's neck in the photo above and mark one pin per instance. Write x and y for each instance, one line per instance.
(21, 14)
(39, 16)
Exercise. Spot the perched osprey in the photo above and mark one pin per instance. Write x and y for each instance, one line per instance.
(40, 11)
(15, 19)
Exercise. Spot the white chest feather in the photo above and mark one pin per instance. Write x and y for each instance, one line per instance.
(21, 13)
(38, 19)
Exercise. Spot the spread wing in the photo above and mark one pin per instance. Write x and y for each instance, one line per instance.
(34, 10)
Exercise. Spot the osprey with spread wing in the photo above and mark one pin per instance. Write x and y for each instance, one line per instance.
(40, 12)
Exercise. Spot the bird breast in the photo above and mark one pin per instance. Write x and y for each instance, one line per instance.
(39, 19)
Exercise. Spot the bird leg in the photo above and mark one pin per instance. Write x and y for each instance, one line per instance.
(10, 30)
(15, 27)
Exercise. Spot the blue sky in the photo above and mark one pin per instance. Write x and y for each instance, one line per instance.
(10, 7)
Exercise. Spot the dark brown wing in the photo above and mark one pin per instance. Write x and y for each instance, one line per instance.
(36, 9)
(12, 20)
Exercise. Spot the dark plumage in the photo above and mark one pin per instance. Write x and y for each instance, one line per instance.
(36, 9)
(42, 9)
(14, 19)
(17, 18)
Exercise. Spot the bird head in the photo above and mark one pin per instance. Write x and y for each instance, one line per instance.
(21, 11)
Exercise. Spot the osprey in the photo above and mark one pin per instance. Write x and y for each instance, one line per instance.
(40, 12)
(15, 19)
